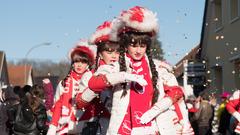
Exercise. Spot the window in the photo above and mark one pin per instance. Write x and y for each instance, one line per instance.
(234, 9)
(218, 13)
(237, 74)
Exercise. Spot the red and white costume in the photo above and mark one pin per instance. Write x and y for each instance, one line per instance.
(171, 89)
(102, 34)
(66, 117)
(233, 108)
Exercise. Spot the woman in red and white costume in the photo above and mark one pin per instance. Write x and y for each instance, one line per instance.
(106, 74)
(65, 115)
(170, 84)
(234, 109)
(131, 101)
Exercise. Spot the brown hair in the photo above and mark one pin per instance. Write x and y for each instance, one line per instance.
(36, 96)
(125, 40)
(106, 46)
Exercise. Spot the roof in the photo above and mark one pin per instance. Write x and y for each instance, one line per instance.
(17, 74)
(178, 70)
(1, 61)
(3, 69)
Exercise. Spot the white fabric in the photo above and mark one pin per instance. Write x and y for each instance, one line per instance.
(165, 123)
(1, 95)
(237, 129)
(122, 77)
(167, 77)
(158, 108)
(87, 94)
(236, 115)
(235, 95)
(119, 108)
(107, 69)
(52, 130)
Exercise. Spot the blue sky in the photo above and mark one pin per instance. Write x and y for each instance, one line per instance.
(28, 23)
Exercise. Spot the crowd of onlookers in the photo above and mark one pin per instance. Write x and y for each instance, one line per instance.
(212, 116)
(24, 109)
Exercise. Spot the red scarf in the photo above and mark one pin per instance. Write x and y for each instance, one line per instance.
(69, 88)
(140, 97)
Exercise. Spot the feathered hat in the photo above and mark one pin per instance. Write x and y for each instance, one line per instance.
(83, 47)
(163, 64)
(104, 33)
(139, 19)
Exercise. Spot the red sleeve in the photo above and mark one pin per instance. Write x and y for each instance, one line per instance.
(80, 103)
(174, 92)
(232, 105)
(98, 83)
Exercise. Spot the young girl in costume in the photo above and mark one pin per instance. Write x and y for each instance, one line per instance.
(106, 72)
(136, 108)
(65, 114)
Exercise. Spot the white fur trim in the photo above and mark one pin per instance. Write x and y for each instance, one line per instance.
(163, 64)
(149, 23)
(106, 31)
(99, 33)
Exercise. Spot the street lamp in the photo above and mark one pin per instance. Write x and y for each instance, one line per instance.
(28, 52)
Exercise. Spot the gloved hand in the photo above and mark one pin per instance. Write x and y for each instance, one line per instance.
(71, 127)
(52, 130)
(236, 115)
(187, 128)
(88, 95)
(158, 108)
(237, 129)
(122, 77)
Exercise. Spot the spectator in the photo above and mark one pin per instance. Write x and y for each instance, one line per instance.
(204, 114)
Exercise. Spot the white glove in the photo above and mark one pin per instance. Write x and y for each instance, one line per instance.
(158, 108)
(72, 127)
(52, 130)
(237, 129)
(88, 95)
(122, 77)
(236, 115)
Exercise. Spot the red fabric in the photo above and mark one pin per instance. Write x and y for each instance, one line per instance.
(79, 102)
(140, 97)
(49, 94)
(95, 108)
(102, 38)
(85, 50)
(65, 100)
(137, 14)
(233, 105)
(178, 111)
(98, 83)
(174, 92)
(193, 110)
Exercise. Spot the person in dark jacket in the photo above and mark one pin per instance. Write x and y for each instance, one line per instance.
(29, 116)
(204, 114)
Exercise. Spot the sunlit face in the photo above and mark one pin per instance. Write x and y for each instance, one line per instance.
(137, 51)
(109, 56)
(80, 67)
